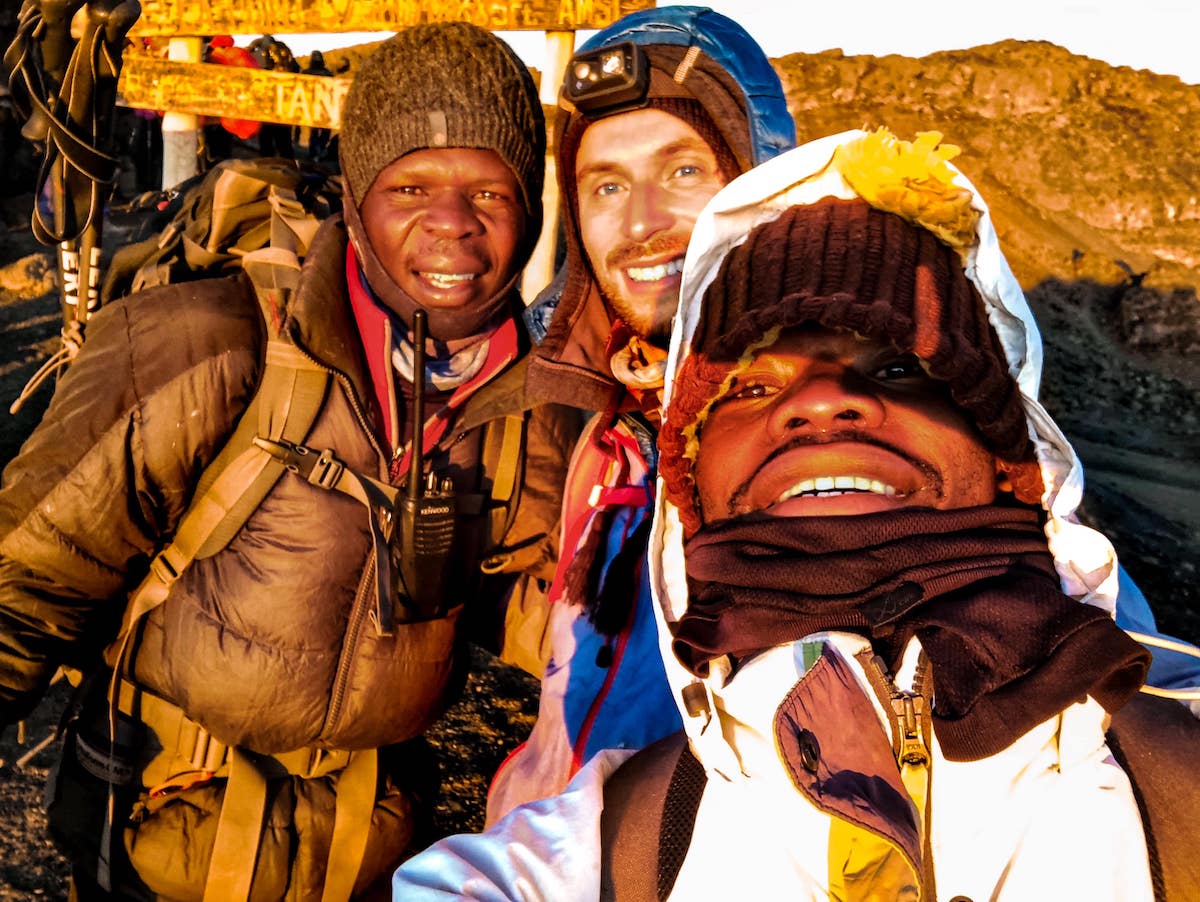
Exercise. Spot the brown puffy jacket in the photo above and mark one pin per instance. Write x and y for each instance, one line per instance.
(267, 643)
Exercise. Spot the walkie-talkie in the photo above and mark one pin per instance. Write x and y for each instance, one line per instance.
(426, 510)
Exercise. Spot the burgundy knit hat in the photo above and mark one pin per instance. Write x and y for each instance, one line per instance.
(843, 264)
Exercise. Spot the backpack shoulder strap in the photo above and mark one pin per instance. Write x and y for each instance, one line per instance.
(284, 407)
(503, 460)
(650, 801)
(1157, 742)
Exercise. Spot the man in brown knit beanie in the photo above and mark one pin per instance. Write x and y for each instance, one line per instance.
(657, 112)
(442, 147)
(273, 679)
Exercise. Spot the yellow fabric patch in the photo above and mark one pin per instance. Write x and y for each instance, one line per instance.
(691, 431)
(864, 867)
(911, 179)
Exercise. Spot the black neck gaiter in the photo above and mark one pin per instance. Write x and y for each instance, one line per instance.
(977, 586)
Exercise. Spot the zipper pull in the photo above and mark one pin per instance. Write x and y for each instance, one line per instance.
(909, 713)
(395, 470)
(911, 724)
(909, 709)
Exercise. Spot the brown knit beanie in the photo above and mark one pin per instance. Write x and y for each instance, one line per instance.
(843, 264)
(450, 84)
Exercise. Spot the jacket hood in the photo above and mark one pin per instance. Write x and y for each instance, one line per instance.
(772, 129)
(732, 79)
(1084, 559)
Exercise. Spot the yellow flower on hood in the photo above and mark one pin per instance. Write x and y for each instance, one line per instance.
(912, 180)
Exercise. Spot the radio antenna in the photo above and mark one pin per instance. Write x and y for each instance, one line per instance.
(415, 463)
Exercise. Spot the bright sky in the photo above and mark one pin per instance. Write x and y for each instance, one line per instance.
(1160, 35)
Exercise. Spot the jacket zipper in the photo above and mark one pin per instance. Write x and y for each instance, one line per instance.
(911, 724)
(351, 396)
(363, 600)
(918, 713)
(585, 731)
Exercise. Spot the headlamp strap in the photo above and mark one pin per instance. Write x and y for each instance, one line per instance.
(686, 64)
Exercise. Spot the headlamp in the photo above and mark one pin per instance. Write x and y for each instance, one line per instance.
(609, 80)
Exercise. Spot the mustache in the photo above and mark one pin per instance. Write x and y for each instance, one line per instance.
(932, 475)
(450, 247)
(671, 243)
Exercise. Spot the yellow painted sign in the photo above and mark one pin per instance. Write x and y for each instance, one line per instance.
(208, 17)
(206, 89)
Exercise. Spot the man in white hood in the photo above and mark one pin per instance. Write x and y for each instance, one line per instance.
(890, 638)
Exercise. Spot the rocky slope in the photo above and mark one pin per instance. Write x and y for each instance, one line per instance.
(1093, 174)
(1084, 163)
(1093, 177)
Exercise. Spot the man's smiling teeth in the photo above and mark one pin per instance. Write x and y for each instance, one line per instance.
(654, 273)
(824, 486)
(447, 279)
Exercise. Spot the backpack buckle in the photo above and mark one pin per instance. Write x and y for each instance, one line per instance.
(321, 469)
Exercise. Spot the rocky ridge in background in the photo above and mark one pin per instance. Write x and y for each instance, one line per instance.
(1092, 173)
(1093, 176)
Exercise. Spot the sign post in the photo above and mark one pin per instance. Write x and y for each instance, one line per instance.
(203, 89)
(207, 17)
(560, 45)
(186, 88)
(180, 128)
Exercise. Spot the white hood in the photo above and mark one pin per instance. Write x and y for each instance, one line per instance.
(1085, 559)
(1051, 817)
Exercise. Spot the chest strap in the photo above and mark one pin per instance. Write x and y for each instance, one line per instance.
(1157, 743)
(235, 483)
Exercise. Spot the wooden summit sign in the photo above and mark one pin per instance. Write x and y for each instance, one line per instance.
(205, 89)
(209, 17)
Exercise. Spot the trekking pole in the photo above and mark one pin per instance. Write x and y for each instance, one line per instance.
(69, 96)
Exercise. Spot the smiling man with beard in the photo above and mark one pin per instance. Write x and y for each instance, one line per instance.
(641, 179)
(702, 104)
(270, 686)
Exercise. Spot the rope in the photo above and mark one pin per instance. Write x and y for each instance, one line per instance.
(72, 340)
(1168, 644)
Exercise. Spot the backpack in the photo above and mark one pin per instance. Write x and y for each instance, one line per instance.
(650, 805)
(212, 222)
(258, 216)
